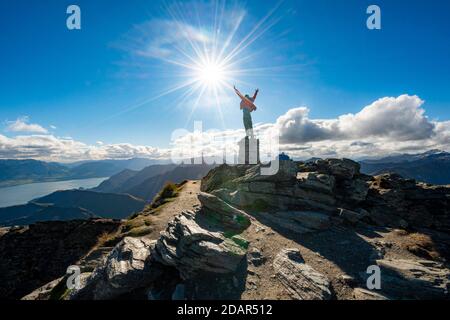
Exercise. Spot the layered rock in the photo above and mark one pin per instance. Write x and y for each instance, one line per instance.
(193, 249)
(364, 294)
(128, 267)
(300, 279)
(334, 187)
(399, 202)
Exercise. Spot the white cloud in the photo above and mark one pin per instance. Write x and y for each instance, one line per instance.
(50, 148)
(386, 126)
(22, 125)
(401, 118)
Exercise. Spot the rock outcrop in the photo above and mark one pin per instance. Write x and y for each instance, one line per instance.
(333, 187)
(193, 249)
(300, 279)
(224, 213)
(127, 268)
(365, 294)
(394, 201)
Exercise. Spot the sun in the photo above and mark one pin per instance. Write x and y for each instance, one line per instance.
(211, 74)
(206, 57)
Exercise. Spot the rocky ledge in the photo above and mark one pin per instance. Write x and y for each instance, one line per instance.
(304, 196)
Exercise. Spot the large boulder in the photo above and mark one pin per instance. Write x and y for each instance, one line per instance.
(222, 177)
(340, 168)
(352, 217)
(300, 279)
(228, 215)
(128, 267)
(316, 181)
(192, 248)
(287, 171)
(355, 190)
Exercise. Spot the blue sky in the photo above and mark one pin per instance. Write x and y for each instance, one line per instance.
(319, 54)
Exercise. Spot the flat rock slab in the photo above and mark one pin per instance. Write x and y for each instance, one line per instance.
(300, 222)
(300, 279)
(414, 279)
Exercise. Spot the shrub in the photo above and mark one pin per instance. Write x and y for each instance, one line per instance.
(170, 190)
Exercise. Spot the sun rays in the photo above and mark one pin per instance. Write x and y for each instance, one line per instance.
(206, 50)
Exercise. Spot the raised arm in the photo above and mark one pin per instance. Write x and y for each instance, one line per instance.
(238, 93)
(256, 93)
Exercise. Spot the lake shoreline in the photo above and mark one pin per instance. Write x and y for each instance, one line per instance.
(15, 183)
(24, 193)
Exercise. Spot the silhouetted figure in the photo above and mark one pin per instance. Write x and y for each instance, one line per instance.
(247, 106)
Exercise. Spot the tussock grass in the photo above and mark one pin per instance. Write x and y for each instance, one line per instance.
(420, 245)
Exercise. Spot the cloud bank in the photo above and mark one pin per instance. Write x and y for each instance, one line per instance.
(51, 148)
(388, 125)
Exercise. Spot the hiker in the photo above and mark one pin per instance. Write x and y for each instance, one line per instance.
(247, 106)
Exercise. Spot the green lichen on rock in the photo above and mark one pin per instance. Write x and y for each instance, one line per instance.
(240, 241)
(236, 245)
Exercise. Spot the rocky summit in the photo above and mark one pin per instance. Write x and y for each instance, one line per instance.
(312, 231)
(308, 194)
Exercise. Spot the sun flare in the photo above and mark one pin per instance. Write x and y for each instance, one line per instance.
(211, 74)
(208, 55)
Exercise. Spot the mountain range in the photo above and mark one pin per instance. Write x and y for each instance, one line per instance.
(120, 196)
(146, 183)
(431, 167)
(71, 205)
(16, 172)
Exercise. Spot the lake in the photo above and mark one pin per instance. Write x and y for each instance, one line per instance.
(16, 195)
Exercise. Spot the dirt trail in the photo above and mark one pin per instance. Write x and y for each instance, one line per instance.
(186, 200)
